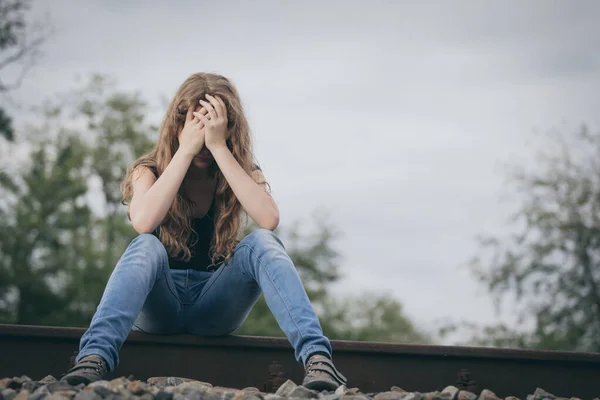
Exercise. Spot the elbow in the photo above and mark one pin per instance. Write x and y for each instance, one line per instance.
(270, 222)
(141, 226)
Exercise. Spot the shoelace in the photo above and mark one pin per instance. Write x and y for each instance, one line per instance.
(100, 366)
(313, 366)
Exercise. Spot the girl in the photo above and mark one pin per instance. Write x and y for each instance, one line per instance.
(187, 272)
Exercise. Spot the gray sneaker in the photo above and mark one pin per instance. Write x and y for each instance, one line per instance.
(321, 374)
(89, 369)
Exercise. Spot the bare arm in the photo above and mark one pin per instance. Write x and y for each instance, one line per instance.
(153, 197)
(256, 201)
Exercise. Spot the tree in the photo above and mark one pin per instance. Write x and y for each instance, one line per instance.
(62, 236)
(19, 43)
(41, 219)
(552, 264)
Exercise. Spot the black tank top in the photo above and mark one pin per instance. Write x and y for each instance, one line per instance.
(204, 229)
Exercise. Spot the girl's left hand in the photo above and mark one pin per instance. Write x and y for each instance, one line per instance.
(215, 122)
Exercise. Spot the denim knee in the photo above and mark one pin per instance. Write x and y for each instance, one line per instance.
(263, 246)
(146, 251)
(262, 238)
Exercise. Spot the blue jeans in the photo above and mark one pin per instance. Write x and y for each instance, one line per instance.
(144, 294)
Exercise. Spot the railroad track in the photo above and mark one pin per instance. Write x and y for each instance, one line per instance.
(265, 363)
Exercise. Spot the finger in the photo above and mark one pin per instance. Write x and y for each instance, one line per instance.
(198, 120)
(201, 117)
(223, 106)
(215, 104)
(189, 116)
(204, 111)
(210, 108)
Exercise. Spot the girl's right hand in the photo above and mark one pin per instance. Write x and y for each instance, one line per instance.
(191, 137)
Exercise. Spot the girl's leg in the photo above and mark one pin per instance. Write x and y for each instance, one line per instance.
(260, 262)
(140, 287)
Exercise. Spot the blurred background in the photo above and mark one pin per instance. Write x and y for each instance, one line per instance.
(436, 164)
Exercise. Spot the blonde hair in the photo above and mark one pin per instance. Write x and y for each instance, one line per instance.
(175, 230)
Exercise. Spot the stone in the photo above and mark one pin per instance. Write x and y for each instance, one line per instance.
(353, 390)
(285, 389)
(118, 384)
(224, 393)
(413, 396)
(23, 395)
(487, 395)
(541, 394)
(450, 389)
(48, 379)
(165, 381)
(332, 396)
(341, 390)
(300, 392)
(62, 388)
(512, 398)
(11, 383)
(163, 395)
(271, 396)
(96, 384)
(102, 390)
(87, 395)
(466, 395)
(38, 396)
(31, 386)
(437, 396)
(42, 390)
(137, 387)
(56, 396)
(253, 396)
(354, 397)
(210, 395)
(250, 390)
(192, 386)
(397, 389)
(8, 394)
(391, 395)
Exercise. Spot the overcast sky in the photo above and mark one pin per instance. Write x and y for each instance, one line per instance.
(397, 117)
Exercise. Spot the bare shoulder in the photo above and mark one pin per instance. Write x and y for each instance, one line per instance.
(142, 178)
(142, 173)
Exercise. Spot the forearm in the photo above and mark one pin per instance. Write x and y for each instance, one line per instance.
(257, 203)
(155, 204)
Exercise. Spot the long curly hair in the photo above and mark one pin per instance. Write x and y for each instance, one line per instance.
(175, 230)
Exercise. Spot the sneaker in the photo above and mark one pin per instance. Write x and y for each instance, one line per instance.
(89, 369)
(321, 374)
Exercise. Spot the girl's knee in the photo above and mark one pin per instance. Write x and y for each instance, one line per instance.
(148, 248)
(262, 238)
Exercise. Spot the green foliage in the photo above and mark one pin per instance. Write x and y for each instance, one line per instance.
(42, 213)
(61, 237)
(6, 128)
(373, 318)
(552, 265)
